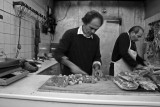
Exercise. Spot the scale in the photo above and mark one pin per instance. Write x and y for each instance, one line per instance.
(10, 71)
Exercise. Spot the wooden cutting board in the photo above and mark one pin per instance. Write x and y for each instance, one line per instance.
(102, 88)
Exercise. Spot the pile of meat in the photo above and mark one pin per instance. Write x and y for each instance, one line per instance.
(138, 78)
(63, 81)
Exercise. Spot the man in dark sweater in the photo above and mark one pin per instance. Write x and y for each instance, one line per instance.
(79, 49)
(126, 41)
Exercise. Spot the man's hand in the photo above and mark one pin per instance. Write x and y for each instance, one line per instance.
(96, 66)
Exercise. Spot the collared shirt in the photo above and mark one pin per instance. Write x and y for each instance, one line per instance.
(80, 31)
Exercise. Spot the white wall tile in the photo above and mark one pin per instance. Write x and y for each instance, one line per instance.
(29, 48)
(29, 33)
(13, 48)
(12, 55)
(6, 17)
(30, 55)
(22, 48)
(1, 4)
(13, 29)
(12, 19)
(13, 39)
(26, 55)
(26, 48)
(29, 41)
(1, 27)
(6, 6)
(7, 38)
(17, 31)
(7, 48)
(27, 24)
(10, 1)
(2, 38)
(22, 40)
(22, 31)
(26, 33)
(22, 55)
(6, 28)
(22, 23)
(16, 21)
(2, 46)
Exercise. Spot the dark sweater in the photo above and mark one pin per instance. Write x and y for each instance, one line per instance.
(121, 51)
(80, 50)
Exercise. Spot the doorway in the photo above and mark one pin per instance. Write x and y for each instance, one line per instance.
(108, 34)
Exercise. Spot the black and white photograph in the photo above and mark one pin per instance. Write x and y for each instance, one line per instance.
(80, 53)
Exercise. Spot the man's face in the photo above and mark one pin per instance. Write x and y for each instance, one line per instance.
(92, 27)
(136, 36)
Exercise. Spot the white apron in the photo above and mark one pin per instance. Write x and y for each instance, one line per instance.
(121, 65)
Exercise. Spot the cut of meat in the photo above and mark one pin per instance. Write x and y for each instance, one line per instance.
(63, 81)
(59, 81)
(124, 75)
(146, 83)
(89, 79)
(142, 72)
(126, 85)
(129, 80)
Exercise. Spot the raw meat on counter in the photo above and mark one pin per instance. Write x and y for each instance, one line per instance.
(124, 84)
(128, 76)
(146, 83)
(63, 81)
(131, 80)
(59, 81)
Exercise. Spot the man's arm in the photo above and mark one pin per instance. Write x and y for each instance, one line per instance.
(96, 68)
(60, 51)
(63, 46)
(97, 60)
(123, 49)
(74, 68)
(140, 60)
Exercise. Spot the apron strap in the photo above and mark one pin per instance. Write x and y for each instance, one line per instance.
(129, 44)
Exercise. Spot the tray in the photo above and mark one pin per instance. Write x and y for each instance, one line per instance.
(8, 62)
(14, 76)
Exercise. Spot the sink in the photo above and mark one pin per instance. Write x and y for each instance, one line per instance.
(8, 62)
(52, 70)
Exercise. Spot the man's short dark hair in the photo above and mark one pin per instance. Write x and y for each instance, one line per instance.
(89, 16)
(135, 29)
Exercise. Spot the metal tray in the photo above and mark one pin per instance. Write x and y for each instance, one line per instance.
(10, 78)
(8, 62)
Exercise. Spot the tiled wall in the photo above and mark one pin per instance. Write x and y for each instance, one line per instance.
(9, 29)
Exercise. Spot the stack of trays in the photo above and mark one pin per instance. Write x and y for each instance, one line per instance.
(10, 71)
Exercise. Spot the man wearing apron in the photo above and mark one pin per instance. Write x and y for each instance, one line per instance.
(124, 55)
